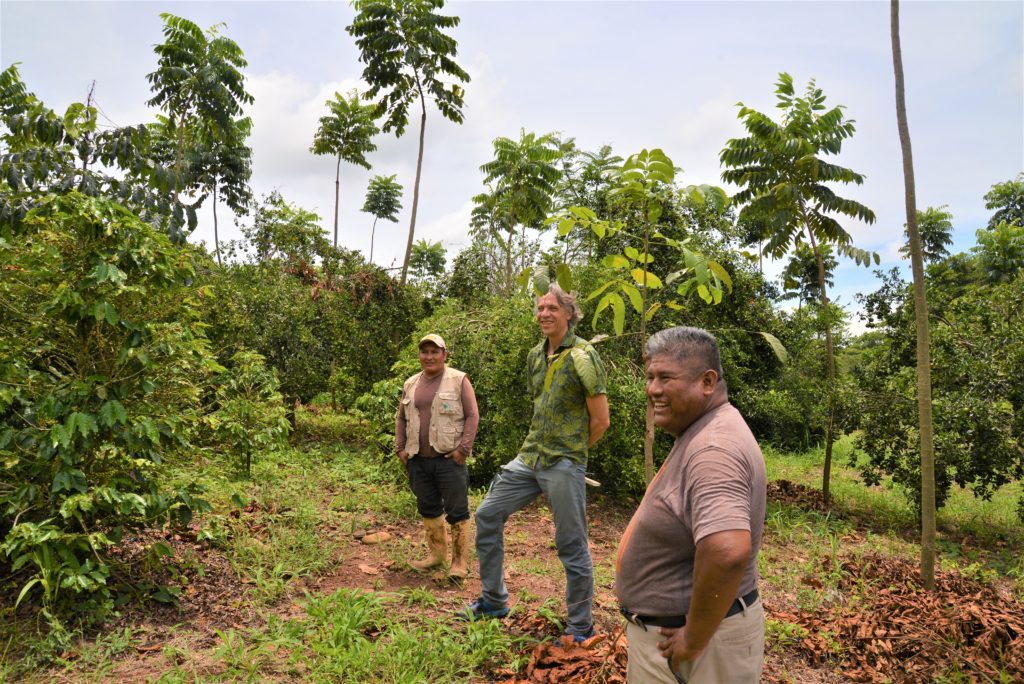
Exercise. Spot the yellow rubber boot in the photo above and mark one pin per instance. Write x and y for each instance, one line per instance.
(460, 550)
(437, 545)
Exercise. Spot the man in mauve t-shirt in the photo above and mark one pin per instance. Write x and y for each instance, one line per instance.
(686, 573)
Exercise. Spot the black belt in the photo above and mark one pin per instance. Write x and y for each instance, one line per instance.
(676, 621)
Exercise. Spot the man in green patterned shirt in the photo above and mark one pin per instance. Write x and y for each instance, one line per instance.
(570, 414)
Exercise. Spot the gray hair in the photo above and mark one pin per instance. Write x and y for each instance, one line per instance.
(687, 345)
(566, 301)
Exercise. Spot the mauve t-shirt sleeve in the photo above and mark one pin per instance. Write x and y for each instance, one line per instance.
(717, 493)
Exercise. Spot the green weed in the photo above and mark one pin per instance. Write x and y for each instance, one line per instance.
(781, 634)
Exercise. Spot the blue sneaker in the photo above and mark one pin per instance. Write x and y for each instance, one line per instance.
(579, 638)
(481, 609)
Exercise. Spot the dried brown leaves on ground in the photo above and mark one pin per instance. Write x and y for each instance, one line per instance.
(601, 659)
(906, 634)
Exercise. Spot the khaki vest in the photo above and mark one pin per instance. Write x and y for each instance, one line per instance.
(447, 418)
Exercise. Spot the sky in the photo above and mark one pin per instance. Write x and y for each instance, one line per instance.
(632, 75)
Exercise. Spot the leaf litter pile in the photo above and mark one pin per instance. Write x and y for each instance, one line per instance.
(601, 658)
(907, 634)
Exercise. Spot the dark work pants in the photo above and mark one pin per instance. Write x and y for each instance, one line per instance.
(441, 487)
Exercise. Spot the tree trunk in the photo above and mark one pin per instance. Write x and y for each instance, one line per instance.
(924, 364)
(649, 414)
(415, 193)
(373, 231)
(334, 386)
(216, 239)
(826, 313)
(337, 186)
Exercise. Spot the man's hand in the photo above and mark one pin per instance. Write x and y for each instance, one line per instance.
(457, 456)
(676, 648)
(404, 456)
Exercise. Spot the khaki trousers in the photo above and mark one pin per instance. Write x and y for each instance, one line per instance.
(733, 656)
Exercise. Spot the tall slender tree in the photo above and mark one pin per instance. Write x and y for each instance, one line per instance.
(199, 85)
(384, 201)
(524, 178)
(924, 362)
(346, 133)
(783, 178)
(408, 57)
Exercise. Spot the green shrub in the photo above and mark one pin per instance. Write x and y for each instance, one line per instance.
(250, 415)
(103, 364)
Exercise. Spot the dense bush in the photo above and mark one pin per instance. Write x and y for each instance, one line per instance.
(977, 381)
(306, 332)
(490, 342)
(103, 364)
(312, 311)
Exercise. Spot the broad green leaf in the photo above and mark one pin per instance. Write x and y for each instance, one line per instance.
(618, 313)
(524, 279)
(722, 274)
(600, 289)
(653, 281)
(563, 274)
(615, 261)
(703, 293)
(112, 412)
(634, 297)
(780, 351)
(651, 311)
(632, 253)
(565, 226)
(541, 281)
(601, 306)
(654, 211)
(59, 435)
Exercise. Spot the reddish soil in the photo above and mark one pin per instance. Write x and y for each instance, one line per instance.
(900, 633)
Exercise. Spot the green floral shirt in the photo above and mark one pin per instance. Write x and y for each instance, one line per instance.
(560, 384)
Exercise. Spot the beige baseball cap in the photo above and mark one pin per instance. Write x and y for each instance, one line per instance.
(436, 339)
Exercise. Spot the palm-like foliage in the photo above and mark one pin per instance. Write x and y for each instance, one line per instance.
(935, 226)
(384, 201)
(782, 176)
(800, 276)
(199, 85)
(346, 134)
(1008, 201)
(524, 178)
(198, 77)
(408, 57)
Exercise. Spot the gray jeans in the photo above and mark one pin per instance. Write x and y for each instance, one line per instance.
(516, 485)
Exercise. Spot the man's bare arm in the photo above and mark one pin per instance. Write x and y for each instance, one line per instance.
(718, 569)
(597, 406)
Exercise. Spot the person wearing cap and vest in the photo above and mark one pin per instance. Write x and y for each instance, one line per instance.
(686, 572)
(435, 427)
